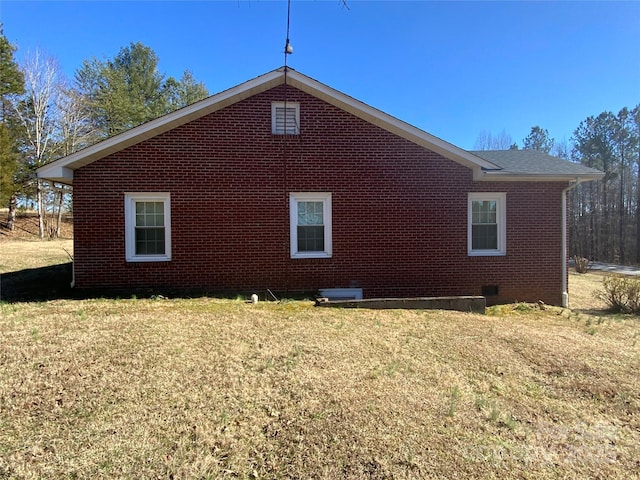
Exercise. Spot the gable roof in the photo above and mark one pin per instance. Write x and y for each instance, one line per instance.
(533, 164)
(483, 167)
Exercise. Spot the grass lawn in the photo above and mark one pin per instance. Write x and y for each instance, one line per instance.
(207, 388)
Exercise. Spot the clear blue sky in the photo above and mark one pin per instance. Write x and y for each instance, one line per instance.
(450, 68)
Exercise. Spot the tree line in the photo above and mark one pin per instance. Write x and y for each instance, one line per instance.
(44, 116)
(604, 215)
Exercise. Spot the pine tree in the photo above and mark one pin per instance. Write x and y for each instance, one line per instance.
(538, 139)
(129, 90)
(11, 85)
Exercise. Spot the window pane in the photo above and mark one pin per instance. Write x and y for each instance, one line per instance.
(490, 212)
(310, 213)
(149, 214)
(310, 238)
(483, 211)
(150, 241)
(484, 237)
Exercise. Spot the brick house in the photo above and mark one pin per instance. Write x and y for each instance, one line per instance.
(284, 183)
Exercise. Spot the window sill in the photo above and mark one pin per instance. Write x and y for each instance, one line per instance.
(150, 258)
(487, 253)
(311, 255)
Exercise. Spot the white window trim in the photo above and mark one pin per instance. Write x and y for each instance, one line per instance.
(130, 200)
(323, 197)
(274, 107)
(501, 217)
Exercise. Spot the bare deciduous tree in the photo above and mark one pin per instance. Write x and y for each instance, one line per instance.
(488, 141)
(36, 110)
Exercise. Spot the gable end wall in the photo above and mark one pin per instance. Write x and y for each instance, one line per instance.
(399, 211)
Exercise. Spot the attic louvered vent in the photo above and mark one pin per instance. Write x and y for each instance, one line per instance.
(285, 118)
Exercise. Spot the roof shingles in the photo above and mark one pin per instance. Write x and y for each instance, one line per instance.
(534, 163)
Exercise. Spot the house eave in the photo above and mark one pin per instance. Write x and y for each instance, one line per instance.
(56, 173)
(247, 89)
(498, 176)
(385, 121)
(156, 127)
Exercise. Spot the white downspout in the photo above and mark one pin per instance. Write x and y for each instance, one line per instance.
(565, 293)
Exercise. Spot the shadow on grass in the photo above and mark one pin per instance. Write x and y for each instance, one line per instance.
(37, 284)
(54, 283)
(595, 312)
(604, 314)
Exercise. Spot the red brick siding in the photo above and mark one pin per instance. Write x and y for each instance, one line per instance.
(399, 211)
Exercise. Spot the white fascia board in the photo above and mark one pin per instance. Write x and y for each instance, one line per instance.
(53, 171)
(56, 173)
(163, 124)
(534, 177)
(386, 121)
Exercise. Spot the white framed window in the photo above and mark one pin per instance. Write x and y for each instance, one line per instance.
(147, 219)
(310, 215)
(285, 118)
(487, 219)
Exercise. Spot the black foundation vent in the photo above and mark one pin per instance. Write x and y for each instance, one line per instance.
(489, 290)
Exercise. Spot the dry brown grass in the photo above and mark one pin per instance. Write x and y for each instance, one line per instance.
(21, 254)
(205, 388)
(583, 289)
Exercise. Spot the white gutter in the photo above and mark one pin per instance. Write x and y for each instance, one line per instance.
(565, 293)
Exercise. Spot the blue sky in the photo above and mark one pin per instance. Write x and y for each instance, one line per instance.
(450, 68)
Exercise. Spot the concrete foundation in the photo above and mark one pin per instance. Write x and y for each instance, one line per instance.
(462, 304)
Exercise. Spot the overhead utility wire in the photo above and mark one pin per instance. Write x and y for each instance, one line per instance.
(287, 46)
(288, 49)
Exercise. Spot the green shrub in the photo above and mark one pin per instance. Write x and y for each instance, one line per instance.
(621, 293)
